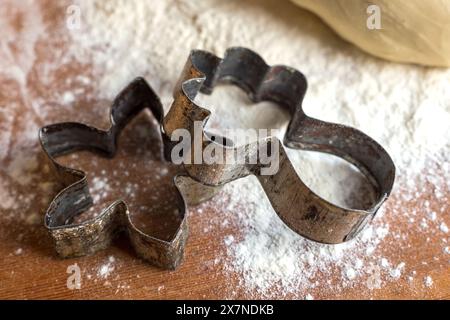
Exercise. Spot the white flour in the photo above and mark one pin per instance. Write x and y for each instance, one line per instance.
(405, 108)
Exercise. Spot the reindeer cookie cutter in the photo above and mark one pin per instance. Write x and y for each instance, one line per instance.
(298, 207)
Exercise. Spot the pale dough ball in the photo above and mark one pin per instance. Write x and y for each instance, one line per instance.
(415, 31)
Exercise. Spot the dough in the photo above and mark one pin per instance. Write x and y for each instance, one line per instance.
(412, 31)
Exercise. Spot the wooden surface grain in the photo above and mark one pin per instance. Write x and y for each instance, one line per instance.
(29, 267)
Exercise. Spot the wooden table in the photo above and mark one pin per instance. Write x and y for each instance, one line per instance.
(29, 267)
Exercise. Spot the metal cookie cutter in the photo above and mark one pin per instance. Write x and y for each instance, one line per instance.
(299, 207)
(73, 240)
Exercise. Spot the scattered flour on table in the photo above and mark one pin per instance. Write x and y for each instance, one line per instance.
(273, 258)
(405, 108)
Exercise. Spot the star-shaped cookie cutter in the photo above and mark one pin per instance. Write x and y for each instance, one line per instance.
(298, 206)
(72, 240)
